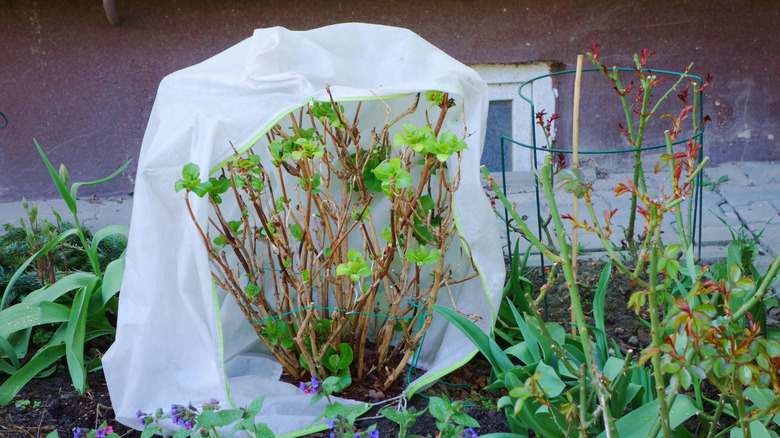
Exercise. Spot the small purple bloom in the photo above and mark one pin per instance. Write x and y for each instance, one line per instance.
(469, 433)
(302, 387)
(141, 417)
(78, 432)
(374, 434)
(315, 383)
(211, 405)
(357, 435)
(100, 433)
(183, 416)
(331, 424)
(332, 435)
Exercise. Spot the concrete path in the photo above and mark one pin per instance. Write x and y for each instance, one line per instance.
(750, 198)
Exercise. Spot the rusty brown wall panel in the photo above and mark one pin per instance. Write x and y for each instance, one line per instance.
(84, 88)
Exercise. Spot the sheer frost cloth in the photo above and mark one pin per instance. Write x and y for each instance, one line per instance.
(178, 340)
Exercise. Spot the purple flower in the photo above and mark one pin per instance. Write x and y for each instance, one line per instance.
(141, 417)
(183, 416)
(102, 433)
(315, 383)
(373, 434)
(302, 387)
(211, 405)
(78, 432)
(469, 433)
(357, 435)
(331, 424)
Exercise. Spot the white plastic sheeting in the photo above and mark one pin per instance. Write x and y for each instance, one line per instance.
(179, 340)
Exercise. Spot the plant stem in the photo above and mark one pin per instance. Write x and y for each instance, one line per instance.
(574, 294)
(527, 233)
(762, 288)
(684, 241)
(713, 426)
(744, 418)
(657, 340)
(629, 233)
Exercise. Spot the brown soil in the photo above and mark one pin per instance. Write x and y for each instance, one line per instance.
(59, 407)
(622, 324)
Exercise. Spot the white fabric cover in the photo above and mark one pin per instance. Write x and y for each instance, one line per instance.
(178, 340)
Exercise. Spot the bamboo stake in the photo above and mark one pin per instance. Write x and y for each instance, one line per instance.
(575, 132)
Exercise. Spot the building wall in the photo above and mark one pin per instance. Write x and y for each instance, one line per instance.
(84, 89)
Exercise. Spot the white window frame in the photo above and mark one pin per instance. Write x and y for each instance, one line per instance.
(503, 81)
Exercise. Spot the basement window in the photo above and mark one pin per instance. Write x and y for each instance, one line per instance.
(509, 115)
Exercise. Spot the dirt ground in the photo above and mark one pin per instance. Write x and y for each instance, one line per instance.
(621, 323)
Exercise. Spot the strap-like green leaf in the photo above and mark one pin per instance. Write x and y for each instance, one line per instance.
(24, 315)
(762, 398)
(70, 201)
(637, 423)
(74, 336)
(112, 279)
(75, 187)
(10, 352)
(64, 285)
(757, 430)
(487, 346)
(39, 362)
(529, 335)
(102, 234)
(598, 311)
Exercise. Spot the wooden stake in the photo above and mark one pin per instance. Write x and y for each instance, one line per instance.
(575, 132)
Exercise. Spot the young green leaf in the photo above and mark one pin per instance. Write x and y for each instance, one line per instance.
(422, 257)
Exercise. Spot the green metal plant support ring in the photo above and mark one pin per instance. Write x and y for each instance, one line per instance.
(699, 134)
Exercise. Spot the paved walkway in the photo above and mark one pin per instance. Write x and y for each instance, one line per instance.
(749, 198)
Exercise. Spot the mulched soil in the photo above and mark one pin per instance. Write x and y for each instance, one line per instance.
(622, 324)
(55, 405)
